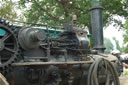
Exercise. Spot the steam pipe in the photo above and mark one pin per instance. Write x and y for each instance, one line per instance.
(97, 28)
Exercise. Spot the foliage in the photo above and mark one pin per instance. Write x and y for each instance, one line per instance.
(117, 44)
(7, 9)
(124, 49)
(126, 72)
(126, 32)
(57, 12)
(108, 45)
(125, 35)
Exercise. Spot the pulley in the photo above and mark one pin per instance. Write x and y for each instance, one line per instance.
(30, 38)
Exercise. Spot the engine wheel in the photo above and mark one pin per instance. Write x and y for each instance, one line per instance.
(102, 72)
(8, 46)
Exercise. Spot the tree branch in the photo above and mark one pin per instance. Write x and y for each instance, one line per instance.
(49, 14)
(66, 6)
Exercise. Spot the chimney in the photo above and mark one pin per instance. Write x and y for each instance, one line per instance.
(97, 26)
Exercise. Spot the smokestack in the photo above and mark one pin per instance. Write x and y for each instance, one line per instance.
(97, 28)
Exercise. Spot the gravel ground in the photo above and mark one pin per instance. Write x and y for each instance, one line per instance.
(124, 80)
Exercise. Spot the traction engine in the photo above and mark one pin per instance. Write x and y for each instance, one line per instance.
(29, 56)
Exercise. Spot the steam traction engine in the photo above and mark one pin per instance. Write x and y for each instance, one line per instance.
(29, 56)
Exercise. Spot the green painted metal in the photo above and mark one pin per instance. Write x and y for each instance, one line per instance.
(53, 32)
(2, 32)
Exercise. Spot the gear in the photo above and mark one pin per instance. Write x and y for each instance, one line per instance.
(9, 48)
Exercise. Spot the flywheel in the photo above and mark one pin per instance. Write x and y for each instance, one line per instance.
(8, 45)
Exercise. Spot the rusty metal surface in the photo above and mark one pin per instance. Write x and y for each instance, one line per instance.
(50, 63)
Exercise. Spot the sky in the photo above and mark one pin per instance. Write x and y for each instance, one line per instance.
(112, 31)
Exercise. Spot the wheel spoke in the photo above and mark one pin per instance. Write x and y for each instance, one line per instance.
(0, 59)
(107, 79)
(10, 50)
(9, 44)
(6, 37)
